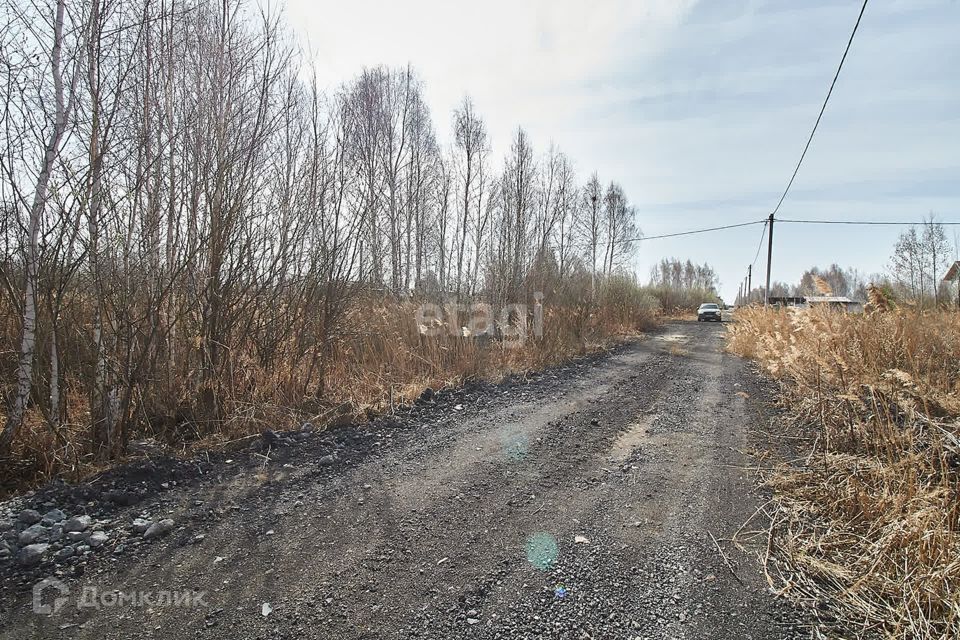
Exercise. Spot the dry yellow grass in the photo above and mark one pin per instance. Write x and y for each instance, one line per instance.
(866, 526)
(379, 360)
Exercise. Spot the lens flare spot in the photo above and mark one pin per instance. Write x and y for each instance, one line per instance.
(515, 446)
(542, 550)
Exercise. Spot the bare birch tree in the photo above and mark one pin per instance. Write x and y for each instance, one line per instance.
(470, 143)
(61, 87)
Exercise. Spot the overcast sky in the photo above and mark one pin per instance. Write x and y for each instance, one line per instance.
(699, 108)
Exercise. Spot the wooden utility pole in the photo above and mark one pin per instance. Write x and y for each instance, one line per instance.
(766, 290)
(749, 280)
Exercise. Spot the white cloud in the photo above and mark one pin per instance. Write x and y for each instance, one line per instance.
(522, 62)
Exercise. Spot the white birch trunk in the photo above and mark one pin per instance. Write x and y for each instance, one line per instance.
(28, 341)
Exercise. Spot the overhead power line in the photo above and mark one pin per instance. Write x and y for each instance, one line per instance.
(760, 245)
(790, 220)
(822, 109)
(866, 222)
(707, 230)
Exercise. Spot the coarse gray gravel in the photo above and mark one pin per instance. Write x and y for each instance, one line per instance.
(590, 501)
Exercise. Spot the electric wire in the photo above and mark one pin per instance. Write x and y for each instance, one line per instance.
(693, 231)
(864, 222)
(822, 108)
(760, 245)
(788, 220)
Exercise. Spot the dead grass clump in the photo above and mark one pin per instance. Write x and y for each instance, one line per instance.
(677, 350)
(866, 526)
(384, 359)
(823, 287)
(879, 300)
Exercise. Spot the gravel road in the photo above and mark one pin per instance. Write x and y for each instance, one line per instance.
(585, 502)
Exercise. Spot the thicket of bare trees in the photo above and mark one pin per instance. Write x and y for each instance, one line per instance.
(683, 285)
(671, 272)
(920, 260)
(182, 207)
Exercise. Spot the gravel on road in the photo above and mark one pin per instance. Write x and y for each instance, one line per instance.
(597, 499)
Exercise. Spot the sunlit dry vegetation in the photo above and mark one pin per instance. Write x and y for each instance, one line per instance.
(377, 360)
(865, 529)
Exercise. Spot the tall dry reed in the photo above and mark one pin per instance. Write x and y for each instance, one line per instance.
(865, 529)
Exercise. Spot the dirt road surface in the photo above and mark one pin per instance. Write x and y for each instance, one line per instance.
(586, 502)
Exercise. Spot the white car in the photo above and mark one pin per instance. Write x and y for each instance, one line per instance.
(709, 311)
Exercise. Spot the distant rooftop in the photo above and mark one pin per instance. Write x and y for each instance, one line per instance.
(828, 299)
(954, 272)
(799, 301)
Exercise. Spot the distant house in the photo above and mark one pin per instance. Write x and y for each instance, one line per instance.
(953, 272)
(787, 301)
(836, 302)
(953, 275)
(806, 302)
